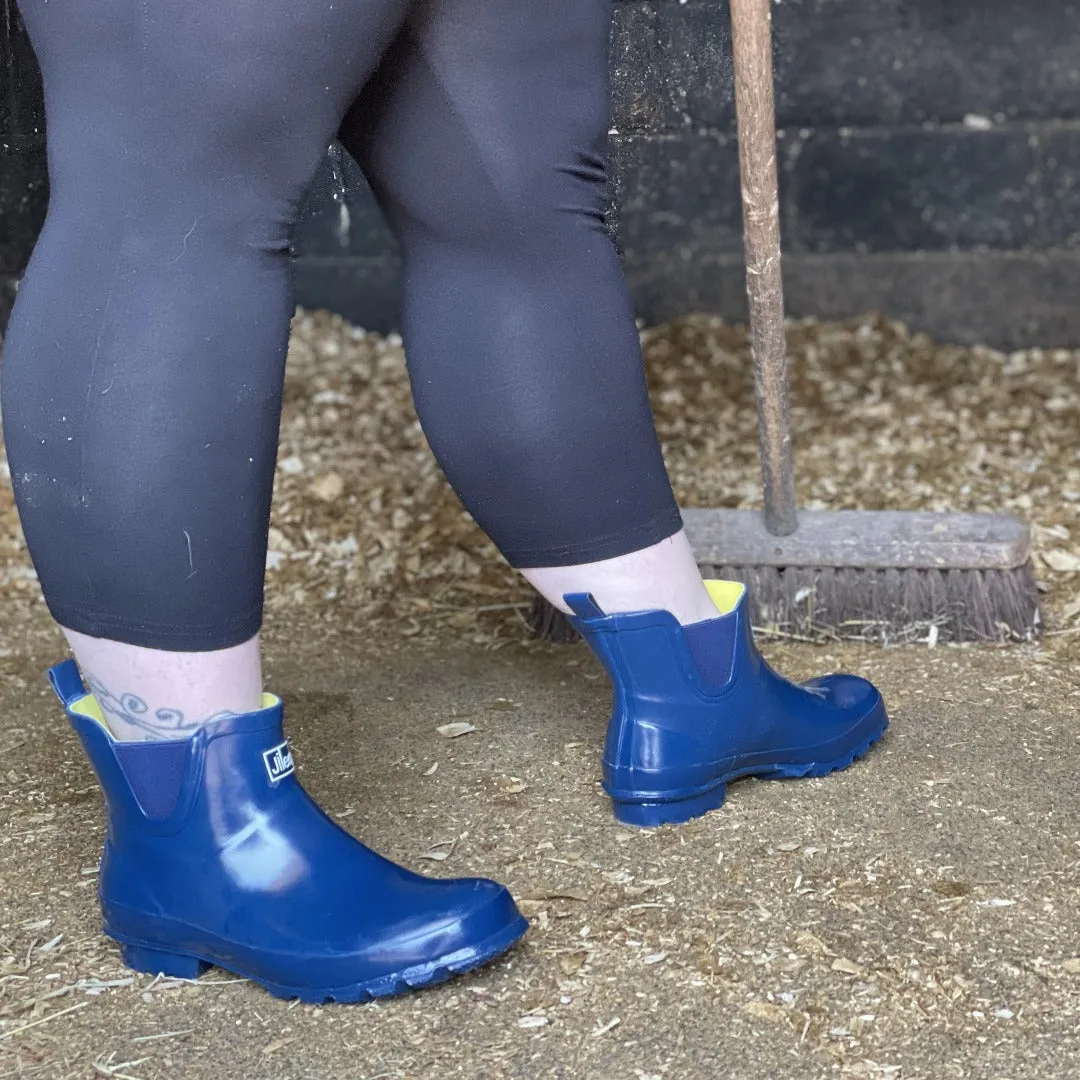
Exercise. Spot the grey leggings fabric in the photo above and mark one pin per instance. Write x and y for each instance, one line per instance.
(142, 373)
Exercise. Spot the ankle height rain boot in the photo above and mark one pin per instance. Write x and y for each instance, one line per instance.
(216, 855)
(696, 707)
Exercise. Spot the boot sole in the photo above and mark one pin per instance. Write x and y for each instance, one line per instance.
(650, 814)
(154, 960)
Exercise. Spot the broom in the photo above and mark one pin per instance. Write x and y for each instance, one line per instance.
(887, 576)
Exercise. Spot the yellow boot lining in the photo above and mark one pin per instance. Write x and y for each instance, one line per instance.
(725, 594)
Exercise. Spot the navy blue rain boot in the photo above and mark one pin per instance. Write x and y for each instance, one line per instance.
(697, 706)
(215, 855)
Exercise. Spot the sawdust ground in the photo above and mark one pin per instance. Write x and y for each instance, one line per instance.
(915, 917)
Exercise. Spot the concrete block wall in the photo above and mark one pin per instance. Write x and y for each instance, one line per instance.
(929, 151)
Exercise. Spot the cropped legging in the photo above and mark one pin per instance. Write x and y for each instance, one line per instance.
(142, 373)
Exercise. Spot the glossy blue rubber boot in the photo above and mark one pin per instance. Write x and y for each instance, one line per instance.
(215, 855)
(696, 707)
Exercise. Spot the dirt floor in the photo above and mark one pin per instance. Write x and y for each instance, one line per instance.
(915, 917)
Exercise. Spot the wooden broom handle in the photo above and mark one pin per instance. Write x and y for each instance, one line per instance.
(755, 110)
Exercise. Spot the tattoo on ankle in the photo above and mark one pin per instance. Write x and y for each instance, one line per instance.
(131, 709)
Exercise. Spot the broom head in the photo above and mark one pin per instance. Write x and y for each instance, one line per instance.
(885, 576)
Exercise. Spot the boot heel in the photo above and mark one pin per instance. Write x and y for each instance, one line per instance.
(156, 962)
(650, 815)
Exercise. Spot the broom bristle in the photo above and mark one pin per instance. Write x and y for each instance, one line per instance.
(890, 607)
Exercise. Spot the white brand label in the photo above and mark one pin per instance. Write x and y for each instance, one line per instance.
(279, 762)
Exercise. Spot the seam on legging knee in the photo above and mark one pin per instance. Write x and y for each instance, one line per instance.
(253, 614)
(654, 530)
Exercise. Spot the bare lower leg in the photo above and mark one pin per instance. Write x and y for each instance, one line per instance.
(664, 576)
(148, 694)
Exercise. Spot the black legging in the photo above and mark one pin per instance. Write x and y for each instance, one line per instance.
(143, 369)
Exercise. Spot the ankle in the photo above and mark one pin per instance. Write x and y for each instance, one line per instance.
(148, 694)
(696, 609)
(664, 577)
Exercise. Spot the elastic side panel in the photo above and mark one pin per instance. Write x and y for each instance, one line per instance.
(155, 773)
(712, 645)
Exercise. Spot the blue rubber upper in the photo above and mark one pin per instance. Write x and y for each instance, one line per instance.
(242, 869)
(677, 730)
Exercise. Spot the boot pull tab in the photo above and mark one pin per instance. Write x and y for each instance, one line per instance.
(66, 682)
(584, 606)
